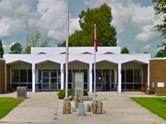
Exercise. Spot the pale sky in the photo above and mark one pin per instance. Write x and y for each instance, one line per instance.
(133, 19)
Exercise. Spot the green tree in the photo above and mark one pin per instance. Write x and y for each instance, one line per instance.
(125, 51)
(28, 49)
(1, 49)
(162, 51)
(34, 41)
(105, 32)
(44, 44)
(160, 8)
(16, 48)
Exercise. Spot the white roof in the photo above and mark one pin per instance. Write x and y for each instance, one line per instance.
(159, 58)
(56, 54)
(74, 50)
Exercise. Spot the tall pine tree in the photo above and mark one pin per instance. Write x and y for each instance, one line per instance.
(1, 49)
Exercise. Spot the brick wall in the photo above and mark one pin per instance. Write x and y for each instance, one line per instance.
(2, 76)
(158, 76)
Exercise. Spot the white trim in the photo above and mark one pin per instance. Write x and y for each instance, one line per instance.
(90, 78)
(33, 79)
(119, 78)
(62, 76)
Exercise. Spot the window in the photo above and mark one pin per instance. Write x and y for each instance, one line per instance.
(15, 76)
(137, 76)
(131, 79)
(112, 75)
(86, 53)
(123, 75)
(108, 53)
(29, 75)
(42, 53)
(23, 75)
(129, 75)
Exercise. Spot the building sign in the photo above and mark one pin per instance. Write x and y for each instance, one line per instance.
(160, 84)
(79, 80)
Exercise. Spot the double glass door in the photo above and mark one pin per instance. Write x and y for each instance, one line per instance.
(49, 80)
(104, 79)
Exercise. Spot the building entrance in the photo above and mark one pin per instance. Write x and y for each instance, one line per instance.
(50, 80)
(105, 79)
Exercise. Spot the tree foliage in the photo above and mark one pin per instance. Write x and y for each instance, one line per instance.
(125, 50)
(1, 49)
(162, 51)
(44, 44)
(34, 41)
(160, 8)
(105, 32)
(28, 49)
(16, 48)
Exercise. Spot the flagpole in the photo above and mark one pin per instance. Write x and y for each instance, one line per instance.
(67, 49)
(94, 65)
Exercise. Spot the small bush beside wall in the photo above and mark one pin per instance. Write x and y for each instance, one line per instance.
(61, 93)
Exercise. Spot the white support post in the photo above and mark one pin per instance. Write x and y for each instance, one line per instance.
(119, 78)
(62, 76)
(33, 78)
(90, 78)
(5, 77)
(115, 78)
(148, 76)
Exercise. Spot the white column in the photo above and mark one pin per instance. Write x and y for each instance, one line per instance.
(90, 78)
(148, 76)
(33, 78)
(119, 78)
(62, 76)
(5, 77)
(115, 78)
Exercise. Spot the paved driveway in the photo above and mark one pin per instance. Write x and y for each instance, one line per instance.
(44, 107)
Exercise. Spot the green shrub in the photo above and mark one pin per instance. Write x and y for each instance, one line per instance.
(61, 93)
(86, 93)
(70, 92)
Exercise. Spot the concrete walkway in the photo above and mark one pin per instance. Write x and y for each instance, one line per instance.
(38, 108)
(45, 108)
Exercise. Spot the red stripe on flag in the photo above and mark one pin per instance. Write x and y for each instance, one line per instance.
(95, 41)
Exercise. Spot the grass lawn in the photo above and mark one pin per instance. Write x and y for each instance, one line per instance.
(157, 105)
(161, 95)
(7, 104)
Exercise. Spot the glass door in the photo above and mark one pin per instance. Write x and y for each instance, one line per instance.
(53, 80)
(103, 79)
(46, 79)
(50, 80)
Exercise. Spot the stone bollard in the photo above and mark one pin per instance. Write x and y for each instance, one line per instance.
(88, 107)
(97, 107)
(78, 97)
(77, 101)
(66, 106)
(21, 92)
(94, 107)
(74, 109)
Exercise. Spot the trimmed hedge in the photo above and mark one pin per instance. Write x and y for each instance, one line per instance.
(61, 93)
